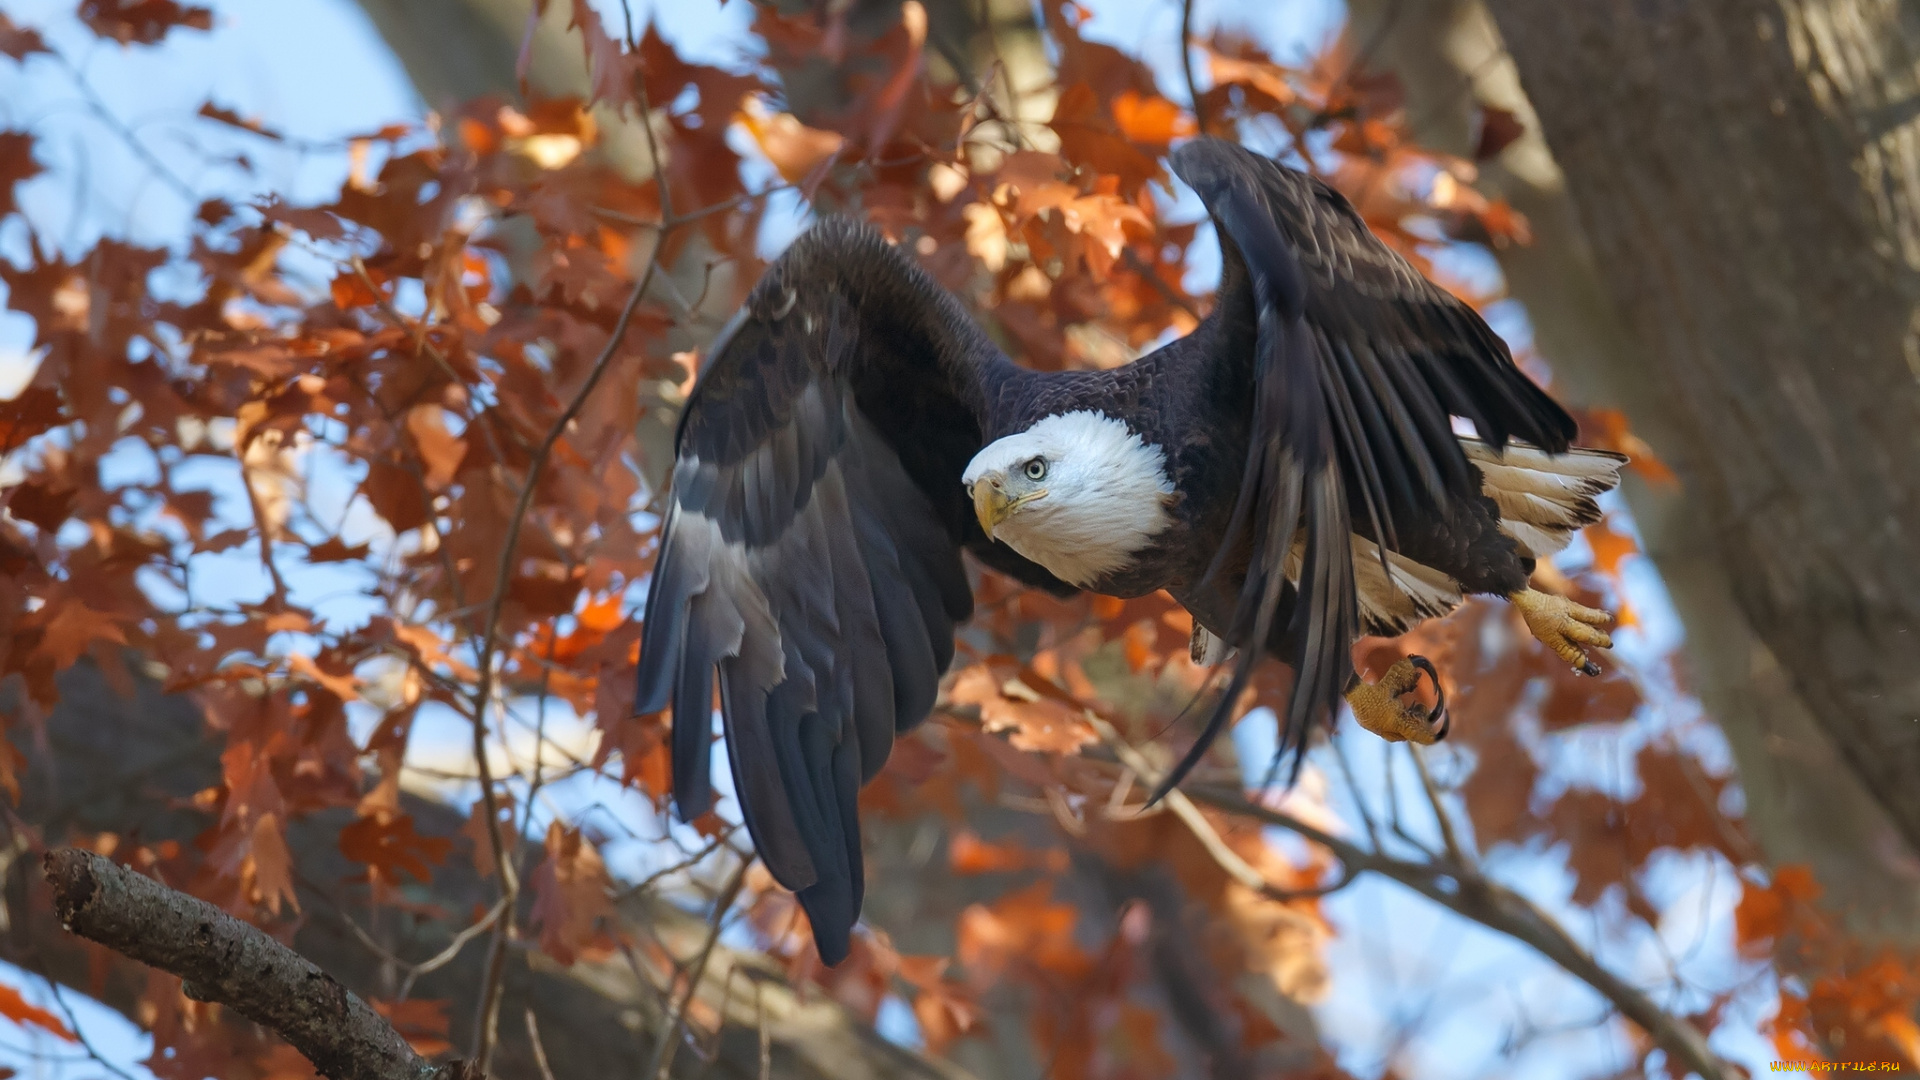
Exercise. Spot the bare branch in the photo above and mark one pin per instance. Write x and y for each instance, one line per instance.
(221, 959)
(539, 1048)
(1196, 822)
(1186, 65)
(1447, 835)
(1467, 893)
(489, 643)
(670, 1039)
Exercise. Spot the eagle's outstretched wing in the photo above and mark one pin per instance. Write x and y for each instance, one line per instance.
(1360, 363)
(811, 549)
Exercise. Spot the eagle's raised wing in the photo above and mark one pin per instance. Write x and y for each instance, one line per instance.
(811, 549)
(1360, 362)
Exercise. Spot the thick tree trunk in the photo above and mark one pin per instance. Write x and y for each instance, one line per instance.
(1805, 802)
(1748, 174)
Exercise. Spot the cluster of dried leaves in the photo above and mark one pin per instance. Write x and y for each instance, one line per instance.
(505, 306)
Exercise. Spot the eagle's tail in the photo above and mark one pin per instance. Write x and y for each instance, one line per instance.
(1544, 498)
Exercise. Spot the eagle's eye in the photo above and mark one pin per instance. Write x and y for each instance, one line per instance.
(1037, 469)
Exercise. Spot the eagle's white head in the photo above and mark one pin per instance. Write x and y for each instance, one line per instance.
(1078, 493)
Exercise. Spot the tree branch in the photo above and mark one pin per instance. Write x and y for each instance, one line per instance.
(1468, 893)
(221, 959)
(1186, 66)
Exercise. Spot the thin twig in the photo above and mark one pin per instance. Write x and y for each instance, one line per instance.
(460, 941)
(1186, 66)
(766, 1037)
(489, 642)
(1447, 836)
(1002, 70)
(106, 116)
(539, 1048)
(720, 207)
(649, 881)
(414, 970)
(1353, 788)
(1196, 822)
(73, 1025)
(653, 153)
(676, 1021)
(486, 1029)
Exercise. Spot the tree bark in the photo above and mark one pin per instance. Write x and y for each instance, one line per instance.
(1749, 176)
(222, 959)
(1806, 803)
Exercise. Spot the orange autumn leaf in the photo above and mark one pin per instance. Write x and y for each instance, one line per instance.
(19, 1010)
(945, 1009)
(794, 148)
(73, 629)
(1153, 120)
(1609, 429)
(440, 450)
(1039, 724)
(1266, 78)
(11, 761)
(388, 846)
(1608, 839)
(421, 1022)
(479, 834)
(1609, 546)
(20, 42)
(603, 614)
(968, 854)
(1763, 910)
(344, 686)
(572, 895)
(350, 290)
(607, 63)
(142, 22)
(1025, 927)
(36, 409)
(271, 866)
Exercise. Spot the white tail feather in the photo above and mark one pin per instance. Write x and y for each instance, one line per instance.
(1389, 607)
(1544, 498)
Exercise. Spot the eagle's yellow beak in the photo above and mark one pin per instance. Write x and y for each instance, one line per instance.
(991, 505)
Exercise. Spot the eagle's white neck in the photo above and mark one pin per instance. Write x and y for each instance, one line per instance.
(1107, 494)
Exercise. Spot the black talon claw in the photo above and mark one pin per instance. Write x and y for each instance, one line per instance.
(1589, 669)
(1438, 719)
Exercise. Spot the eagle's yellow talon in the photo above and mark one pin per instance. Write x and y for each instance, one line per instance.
(1564, 626)
(1379, 709)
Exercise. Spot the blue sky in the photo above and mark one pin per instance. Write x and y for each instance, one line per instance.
(316, 70)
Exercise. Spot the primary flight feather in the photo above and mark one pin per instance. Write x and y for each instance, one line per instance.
(1289, 472)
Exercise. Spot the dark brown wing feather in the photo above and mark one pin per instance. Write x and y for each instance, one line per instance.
(811, 549)
(1360, 363)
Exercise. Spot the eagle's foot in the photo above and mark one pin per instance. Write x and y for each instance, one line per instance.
(1564, 626)
(1379, 709)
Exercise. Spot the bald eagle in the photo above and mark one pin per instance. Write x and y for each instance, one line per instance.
(1289, 472)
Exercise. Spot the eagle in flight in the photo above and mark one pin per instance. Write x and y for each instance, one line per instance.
(1289, 472)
